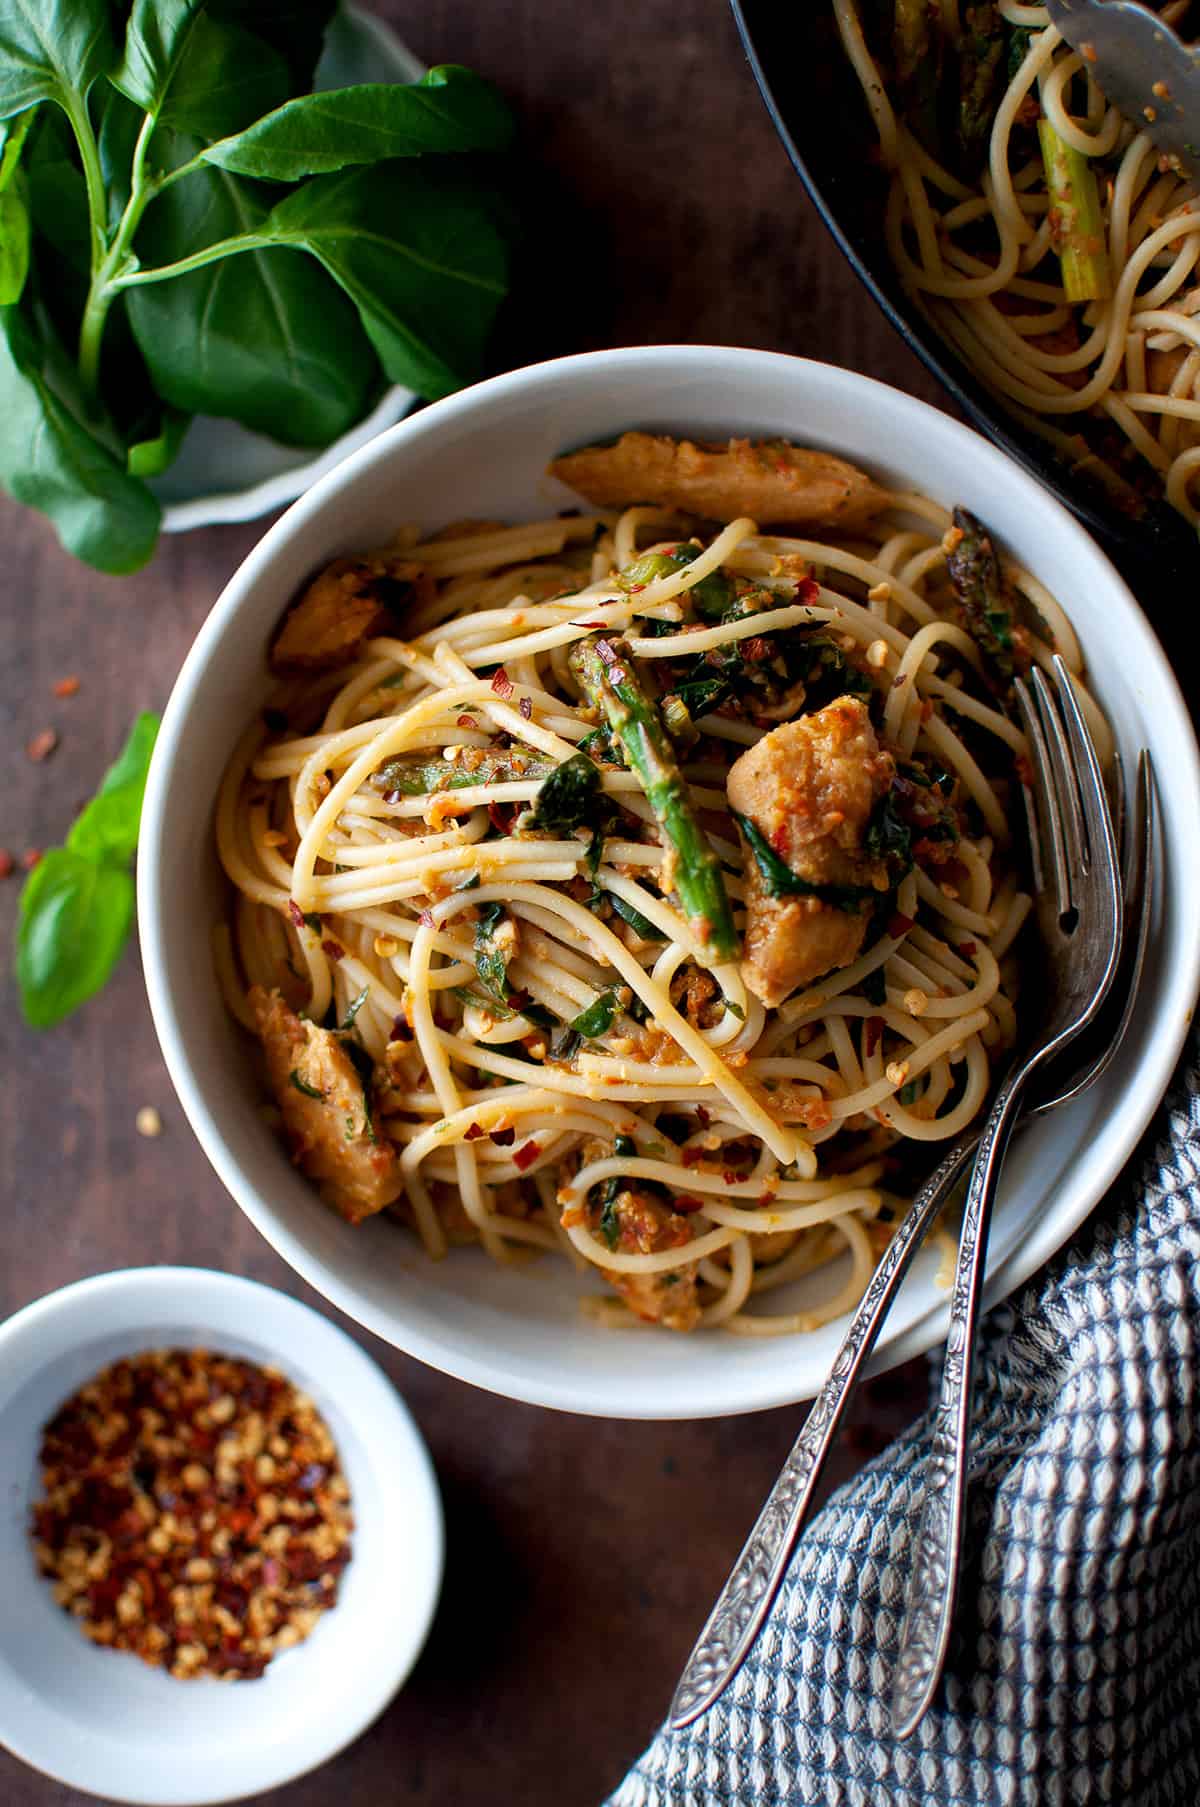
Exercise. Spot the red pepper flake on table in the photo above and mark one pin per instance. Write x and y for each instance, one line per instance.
(195, 1512)
(41, 746)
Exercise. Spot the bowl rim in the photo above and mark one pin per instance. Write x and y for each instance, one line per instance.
(297, 1335)
(773, 1385)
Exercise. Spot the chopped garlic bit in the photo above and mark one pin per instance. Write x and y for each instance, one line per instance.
(880, 593)
(896, 1072)
(916, 1002)
(386, 946)
(877, 653)
(148, 1122)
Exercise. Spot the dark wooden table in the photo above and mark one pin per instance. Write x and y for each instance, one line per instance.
(582, 1554)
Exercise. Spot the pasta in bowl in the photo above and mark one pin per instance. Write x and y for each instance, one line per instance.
(639, 886)
(516, 1326)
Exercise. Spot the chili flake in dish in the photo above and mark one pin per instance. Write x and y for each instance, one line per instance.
(195, 1512)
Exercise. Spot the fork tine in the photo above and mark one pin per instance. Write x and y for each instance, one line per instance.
(1125, 837)
(1066, 780)
(1049, 837)
(1089, 787)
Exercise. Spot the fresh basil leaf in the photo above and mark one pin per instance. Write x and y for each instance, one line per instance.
(449, 109)
(151, 457)
(778, 879)
(107, 827)
(709, 598)
(420, 251)
(52, 460)
(262, 338)
(156, 38)
(73, 922)
(355, 1006)
(52, 50)
(225, 78)
(568, 797)
(13, 133)
(597, 1019)
(302, 1085)
(641, 925)
(14, 245)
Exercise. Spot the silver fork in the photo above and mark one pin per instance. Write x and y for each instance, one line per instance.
(1079, 914)
(745, 1600)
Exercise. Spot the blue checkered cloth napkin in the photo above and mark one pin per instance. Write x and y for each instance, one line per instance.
(1075, 1672)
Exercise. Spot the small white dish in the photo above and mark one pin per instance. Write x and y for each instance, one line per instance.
(484, 453)
(103, 1721)
(224, 472)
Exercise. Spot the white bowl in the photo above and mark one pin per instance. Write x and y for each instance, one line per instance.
(102, 1720)
(224, 472)
(484, 453)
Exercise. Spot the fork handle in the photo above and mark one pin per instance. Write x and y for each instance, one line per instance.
(937, 1557)
(745, 1600)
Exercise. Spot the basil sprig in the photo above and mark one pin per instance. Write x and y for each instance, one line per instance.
(161, 165)
(76, 907)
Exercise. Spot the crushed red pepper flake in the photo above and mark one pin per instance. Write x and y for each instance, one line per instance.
(30, 858)
(295, 912)
(473, 1132)
(898, 926)
(41, 746)
(502, 684)
(526, 1155)
(7, 863)
(68, 686)
(526, 707)
(503, 1138)
(194, 1512)
(684, 1204)
(467, 721)
(333, 950)
(872, 1032)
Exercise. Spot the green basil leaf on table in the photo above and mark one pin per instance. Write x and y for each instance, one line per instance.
(449, 109)
(74, 919)
(264, 338)
(419, 250)
(52, 50)
(76, 906)
(51, 457)
(107, 827)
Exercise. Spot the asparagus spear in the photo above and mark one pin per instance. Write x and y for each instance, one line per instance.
(1076, 227)
(710, 597)
(610, 682)
(984, 595)
(421, 777)
(980, 54)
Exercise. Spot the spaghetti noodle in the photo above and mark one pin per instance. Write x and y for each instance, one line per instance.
(1043, 236)
(549, 1050)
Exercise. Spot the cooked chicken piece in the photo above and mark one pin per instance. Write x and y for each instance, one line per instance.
(349, 601)
(646, 1227)
(325, 1112)
(809, 788)
(776, 483)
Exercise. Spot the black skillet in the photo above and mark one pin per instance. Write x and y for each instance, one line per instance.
(816, 104)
